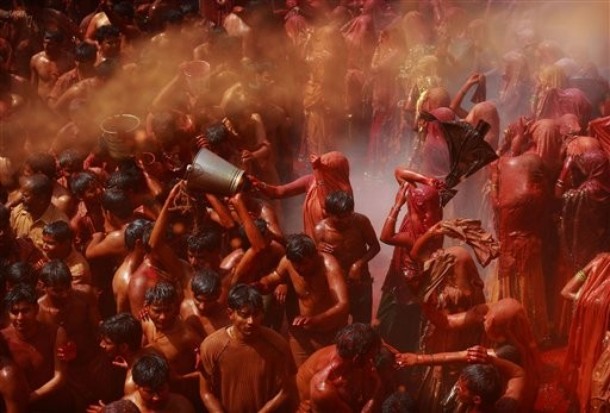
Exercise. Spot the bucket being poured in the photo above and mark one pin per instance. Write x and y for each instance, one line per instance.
(119, 134)
(210, 173)
(197, 75)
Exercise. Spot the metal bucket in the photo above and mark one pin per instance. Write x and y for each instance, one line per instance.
(210, 173)
(119, 134)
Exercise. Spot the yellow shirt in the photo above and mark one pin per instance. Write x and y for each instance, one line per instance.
(24, 225)
(79, 268)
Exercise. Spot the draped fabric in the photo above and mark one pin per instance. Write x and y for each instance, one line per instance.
(548, 144)
(508, 318)
(424, 210)
(435, 152)
(398, 314)
(590, 323)
(586, 209)
(557, 102)
(332, 175)
(517, 89)
(461, 288)
(521, 210)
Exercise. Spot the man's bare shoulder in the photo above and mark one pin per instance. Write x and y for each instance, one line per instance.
(361, 218)
(39, 57)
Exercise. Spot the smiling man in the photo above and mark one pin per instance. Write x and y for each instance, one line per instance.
(246, 367)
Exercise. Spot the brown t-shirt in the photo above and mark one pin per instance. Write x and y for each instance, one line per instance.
(246, 375)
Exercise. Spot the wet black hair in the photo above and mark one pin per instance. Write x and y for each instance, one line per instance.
(299, 247)
(60, 231)
(339, 202)
(243, 295)
(206, 282)
(55, 273)
(123, 328)
(150, 370)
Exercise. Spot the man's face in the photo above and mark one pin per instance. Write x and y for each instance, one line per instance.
(33, 203)
(111, 47)
(463, 392)
(163, 315)
(93, 193)
(109, 347)
(154, 399)
(23, 316)
(54, 249)
(206, 303)
(246, 320)
(50, 45)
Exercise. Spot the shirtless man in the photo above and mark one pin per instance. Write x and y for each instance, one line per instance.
(160, 262)
(349, 382)
(14, 388)
(134, 233)
(351, 239)
(34, 347)
(206, 312)
(118, 213)
(261, 256)
(77, 312)
(107, 249)
(151, 376)
(47, 66)
(168, 334)
(57, 245)
(265, 382)
(121, 342)
(321, 292)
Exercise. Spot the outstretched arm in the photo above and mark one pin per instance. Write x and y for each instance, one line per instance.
(296, 187)
(572, 289)
(157, 243)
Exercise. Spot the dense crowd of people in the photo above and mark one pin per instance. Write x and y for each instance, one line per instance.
(151, 152)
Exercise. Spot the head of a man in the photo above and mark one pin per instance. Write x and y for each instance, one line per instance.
(163, 303)
(206, 287)
(109, 39)
(52, 42)
(86, 187)
(85, 55)
(57, 240)
(20, 273)
(339, 207)
(37, 191)
(203, 249)
(245, 310)
(479, 386)
(358, 343)
(302, 253)
(151, 375)
(57, 281)
(116, 205)
(136, 232)
(22, 305)
(120, 335)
